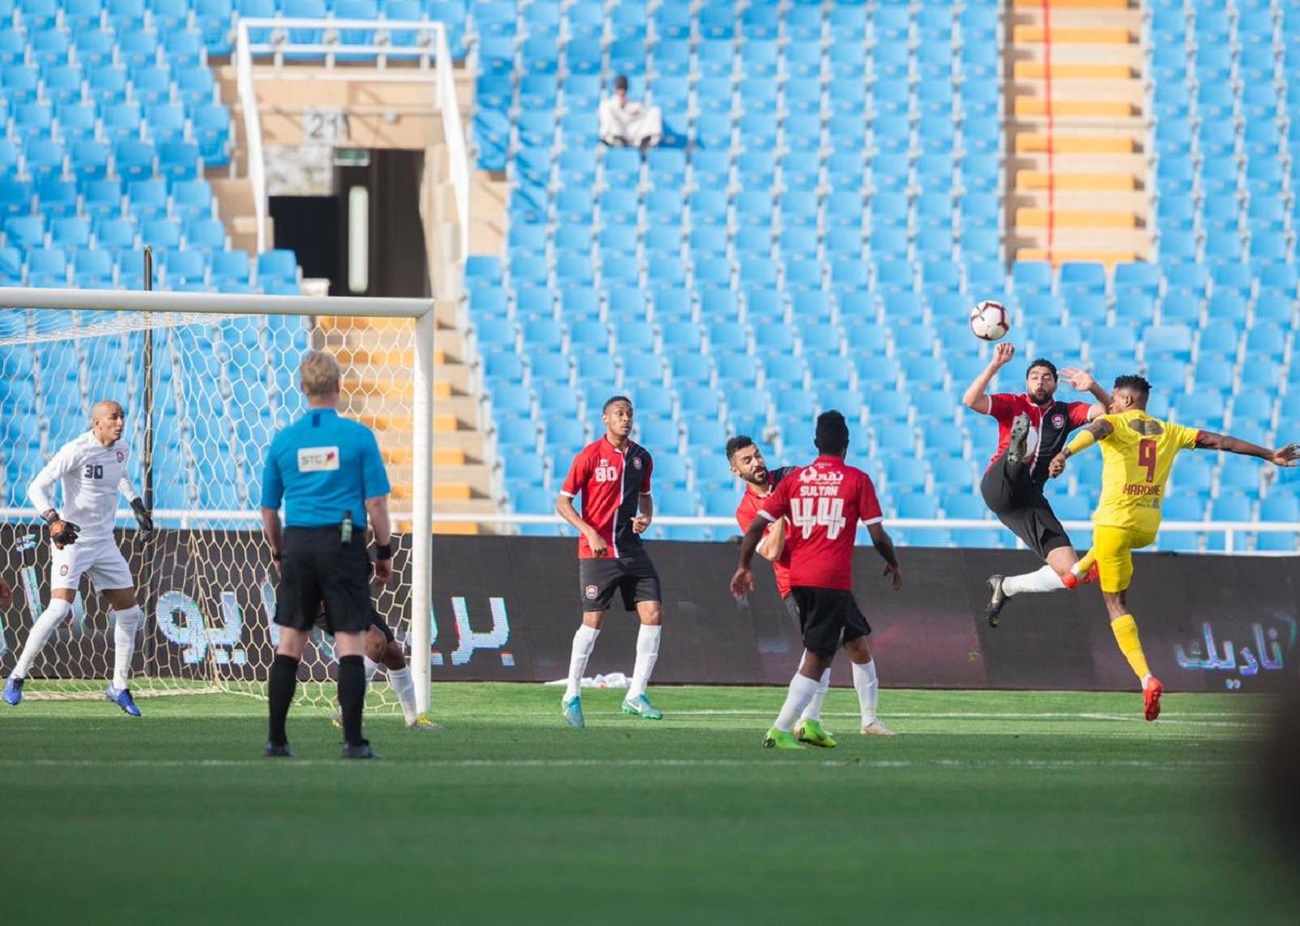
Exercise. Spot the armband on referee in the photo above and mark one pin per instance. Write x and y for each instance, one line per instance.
(383, 551)
(1081, 441)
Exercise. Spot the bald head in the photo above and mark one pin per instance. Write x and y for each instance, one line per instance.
(107, 421)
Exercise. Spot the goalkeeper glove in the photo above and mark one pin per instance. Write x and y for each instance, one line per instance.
(63, 533)
(142, 516)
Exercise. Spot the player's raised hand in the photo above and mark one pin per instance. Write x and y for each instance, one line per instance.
(1057, 466)
(895, 573)
(1079, 379)
(742, 583)
(1002, 354)
(639, 524)
(1286, 456)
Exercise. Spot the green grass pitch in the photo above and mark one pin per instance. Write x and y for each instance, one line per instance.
(987, 808)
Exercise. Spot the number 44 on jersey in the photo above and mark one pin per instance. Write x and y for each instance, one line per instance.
(810, 513)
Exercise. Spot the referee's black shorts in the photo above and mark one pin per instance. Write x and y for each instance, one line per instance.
(376, 622)
(633, 575)
(828, 618)
(316, 569)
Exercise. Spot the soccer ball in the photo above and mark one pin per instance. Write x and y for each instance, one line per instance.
(989, 321)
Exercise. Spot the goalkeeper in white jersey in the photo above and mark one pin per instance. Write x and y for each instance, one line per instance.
(91, 470)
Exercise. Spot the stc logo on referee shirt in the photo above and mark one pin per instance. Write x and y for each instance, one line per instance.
(318, 459)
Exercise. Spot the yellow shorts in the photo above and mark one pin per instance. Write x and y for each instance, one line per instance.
(1113, 548)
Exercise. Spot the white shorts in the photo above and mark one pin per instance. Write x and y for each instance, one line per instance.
(99, 560)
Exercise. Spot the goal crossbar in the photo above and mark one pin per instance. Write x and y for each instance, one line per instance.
(122, 300)
(420, 311)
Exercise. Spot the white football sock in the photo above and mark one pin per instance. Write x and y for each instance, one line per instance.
(647, 654)
(1041, 580)
(124, 627)
(802, 690)
(50, 618)
(584, 641)
(814, 709)
(404, 685)
(868, 688)
(371, 668)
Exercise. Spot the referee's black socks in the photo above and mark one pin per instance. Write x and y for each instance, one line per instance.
(352, 695)
(280, 688)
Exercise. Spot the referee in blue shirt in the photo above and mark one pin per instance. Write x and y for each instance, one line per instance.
(329, 473)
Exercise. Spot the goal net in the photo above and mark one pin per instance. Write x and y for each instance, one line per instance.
(205, 381)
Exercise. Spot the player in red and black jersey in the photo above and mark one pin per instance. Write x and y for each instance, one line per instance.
(1032, 429)
(613, 477)
(747, 462)
(824, 502)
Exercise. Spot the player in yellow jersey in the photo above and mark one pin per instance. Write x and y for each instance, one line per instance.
(1137, 454)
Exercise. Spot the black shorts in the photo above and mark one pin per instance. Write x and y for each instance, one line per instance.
(317, 570)
(1025, 511)
(828, 618)
(382, 626)
(376, 622)
(634, 575)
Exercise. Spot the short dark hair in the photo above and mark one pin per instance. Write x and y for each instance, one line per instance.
(620, 82)
(612, 399)
(832, 434)
(1133, 383)
(737, 444)
(1041, 362)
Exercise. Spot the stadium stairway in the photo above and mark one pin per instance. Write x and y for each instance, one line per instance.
(1077, 102)
(462, 481)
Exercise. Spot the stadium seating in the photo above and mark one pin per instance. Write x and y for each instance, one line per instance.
(824, 207)
(110, 119)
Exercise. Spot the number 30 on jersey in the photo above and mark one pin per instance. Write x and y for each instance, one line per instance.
(808, 513)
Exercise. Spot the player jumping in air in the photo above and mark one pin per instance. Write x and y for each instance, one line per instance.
(747, 463)
(91, 470)
(1032, 428)
(824, 503)
(1137, 453)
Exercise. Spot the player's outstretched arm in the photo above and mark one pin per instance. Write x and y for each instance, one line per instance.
(1086, 382)
(976, 396)
(1283, 456)
(1098, 430)
(884, 545)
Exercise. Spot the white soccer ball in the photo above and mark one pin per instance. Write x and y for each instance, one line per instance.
(989, 321)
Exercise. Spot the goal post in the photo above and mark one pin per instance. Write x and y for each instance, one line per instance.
(235, 345)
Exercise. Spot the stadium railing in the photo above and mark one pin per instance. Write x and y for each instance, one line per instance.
(429, 50)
